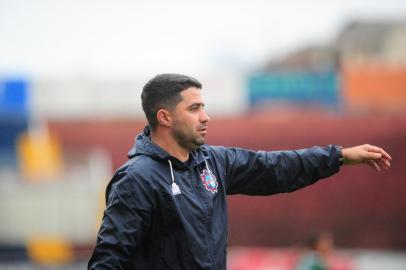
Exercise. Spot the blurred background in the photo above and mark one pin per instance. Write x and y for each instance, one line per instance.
(276, 75)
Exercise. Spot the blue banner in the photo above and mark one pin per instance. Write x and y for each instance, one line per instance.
(313, 88)
(13, 117)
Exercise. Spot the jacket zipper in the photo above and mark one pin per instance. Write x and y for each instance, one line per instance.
(206, 217)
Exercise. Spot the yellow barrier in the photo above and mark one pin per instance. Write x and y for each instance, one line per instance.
(40, 156)
(50, 250)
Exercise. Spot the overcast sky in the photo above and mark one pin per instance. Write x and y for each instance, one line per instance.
(45, 38)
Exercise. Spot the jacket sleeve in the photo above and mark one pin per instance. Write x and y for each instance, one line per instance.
(126, 219)
(264, 173)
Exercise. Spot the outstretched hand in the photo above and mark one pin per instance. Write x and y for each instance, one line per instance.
(374, 156)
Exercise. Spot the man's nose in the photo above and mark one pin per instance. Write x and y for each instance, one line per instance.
(204, 117)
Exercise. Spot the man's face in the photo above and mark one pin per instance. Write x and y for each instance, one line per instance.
(189, 126)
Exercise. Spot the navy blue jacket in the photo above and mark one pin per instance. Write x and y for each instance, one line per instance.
(162, 213)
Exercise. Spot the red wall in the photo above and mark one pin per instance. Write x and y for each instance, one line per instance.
(361, 207)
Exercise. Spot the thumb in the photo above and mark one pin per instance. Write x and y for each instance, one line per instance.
(373, 155)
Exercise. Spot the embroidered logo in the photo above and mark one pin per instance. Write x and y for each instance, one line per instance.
(209, 181)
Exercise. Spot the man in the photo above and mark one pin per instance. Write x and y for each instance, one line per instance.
(166, 207)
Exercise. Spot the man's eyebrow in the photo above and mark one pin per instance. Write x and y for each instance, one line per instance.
(196, 104)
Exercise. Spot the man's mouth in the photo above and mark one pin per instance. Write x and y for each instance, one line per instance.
(202, 129)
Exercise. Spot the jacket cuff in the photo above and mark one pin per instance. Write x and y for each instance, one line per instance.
(340, 157)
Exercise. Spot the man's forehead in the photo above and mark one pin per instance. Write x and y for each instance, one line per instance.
(192, 95)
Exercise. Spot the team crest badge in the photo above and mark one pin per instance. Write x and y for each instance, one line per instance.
(209, 181)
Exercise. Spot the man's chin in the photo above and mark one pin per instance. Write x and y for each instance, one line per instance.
(199, 142)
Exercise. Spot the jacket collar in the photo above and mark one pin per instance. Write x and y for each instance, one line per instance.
(145, 146)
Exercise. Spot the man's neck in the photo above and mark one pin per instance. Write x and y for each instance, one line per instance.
(169, 144)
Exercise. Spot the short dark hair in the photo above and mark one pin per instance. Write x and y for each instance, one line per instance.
(163, 92)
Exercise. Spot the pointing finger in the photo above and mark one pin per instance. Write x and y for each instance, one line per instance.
(372, 148)
(386, 155)
(373, 156)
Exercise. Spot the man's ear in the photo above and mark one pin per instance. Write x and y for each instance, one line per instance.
(164, 117)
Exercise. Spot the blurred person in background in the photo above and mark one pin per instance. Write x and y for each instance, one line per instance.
(319, 246)
(166, 207)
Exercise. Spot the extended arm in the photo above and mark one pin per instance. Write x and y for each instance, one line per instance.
(264, 173)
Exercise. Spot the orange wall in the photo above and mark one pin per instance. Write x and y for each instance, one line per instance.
(374, 87)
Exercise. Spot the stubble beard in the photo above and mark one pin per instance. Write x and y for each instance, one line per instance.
(184, 140)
